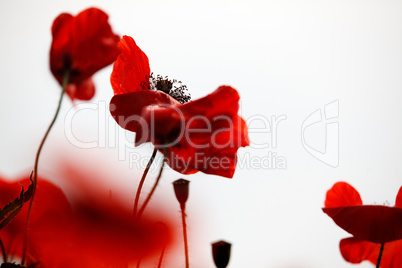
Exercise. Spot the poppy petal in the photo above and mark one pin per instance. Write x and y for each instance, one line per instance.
(398, 201)
(354, 250)
(224, 100)
(201, 135)
(131, 69)
(127, 108)
(50, 208)
(82, 45)
(378, 224)
(82, 91)
(342, 194)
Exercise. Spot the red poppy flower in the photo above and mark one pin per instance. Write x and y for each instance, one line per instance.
(202, 135)
(82, 45)
(374, 223)
(355, 251)
(102, 230)
(94, 232)
(50, 208)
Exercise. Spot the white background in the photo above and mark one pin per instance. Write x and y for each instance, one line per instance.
(284, 57)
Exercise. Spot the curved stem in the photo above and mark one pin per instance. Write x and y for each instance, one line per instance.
(380, 255)
(161, 257)
(154, 187)
(183, 220)
(137, 195)
(3, 251)
(35, 177)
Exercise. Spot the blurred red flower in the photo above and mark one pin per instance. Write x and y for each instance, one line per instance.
(355, 251)
(82, 44)
(90, 233)
(202, 135)
(374, 223)
(50, 209)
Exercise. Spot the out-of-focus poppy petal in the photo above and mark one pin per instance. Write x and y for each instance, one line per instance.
(398, 201)
(50, 208)
(354, 250)
(102, 231)
(342, 194)
(83, 91)
(378, 224)
(131, 69)
(127, 108)
(82, 45)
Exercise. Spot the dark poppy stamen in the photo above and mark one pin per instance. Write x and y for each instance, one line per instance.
(173, 87)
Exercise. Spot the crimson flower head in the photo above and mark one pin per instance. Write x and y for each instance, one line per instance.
(88, 232)
(373, 223)
(82, 45)
(201, 135)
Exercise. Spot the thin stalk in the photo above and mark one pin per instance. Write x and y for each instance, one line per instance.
(380, 255)
(161, 257)
(35, 177)
(144, 175)
(154, 187)
(3, 251)
(183, 221)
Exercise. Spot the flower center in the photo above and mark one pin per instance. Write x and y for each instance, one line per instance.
(173, 88)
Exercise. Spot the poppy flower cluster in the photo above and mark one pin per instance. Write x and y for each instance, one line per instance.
(44, 228)
(376, 229)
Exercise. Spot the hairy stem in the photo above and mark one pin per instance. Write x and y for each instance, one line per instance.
(183, 220)
(144, 175)
(154, 187)
(35, 173)
(161, 257)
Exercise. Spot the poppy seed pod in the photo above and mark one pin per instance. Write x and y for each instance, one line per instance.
(181, 190)
(221, 253)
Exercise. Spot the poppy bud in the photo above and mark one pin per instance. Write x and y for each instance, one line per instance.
(181, 190)
(221, 253)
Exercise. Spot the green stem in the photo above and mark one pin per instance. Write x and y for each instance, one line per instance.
(35, 178)
(154, 187)
(137, 195)
(380, 255)
(183, 220)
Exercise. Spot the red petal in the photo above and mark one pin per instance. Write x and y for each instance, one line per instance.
(83, 91)
(223, 101)
(127, 108)
(354, 250)
(398, 202)
(61, 21)
(50, 208)
(376, 224)
(202, 135)
(82, 44)
(342, 194)
(131, 70)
